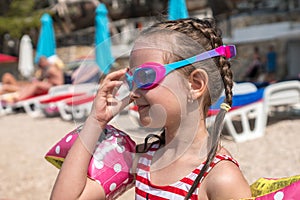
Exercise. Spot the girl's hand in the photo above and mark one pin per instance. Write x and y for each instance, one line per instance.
(105, 105)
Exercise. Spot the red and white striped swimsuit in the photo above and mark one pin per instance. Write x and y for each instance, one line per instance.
(145, 190)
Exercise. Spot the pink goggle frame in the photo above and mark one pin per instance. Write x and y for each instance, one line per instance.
(148, 75)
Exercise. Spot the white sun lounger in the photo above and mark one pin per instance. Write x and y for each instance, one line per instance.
(32, 106)
(284, 94)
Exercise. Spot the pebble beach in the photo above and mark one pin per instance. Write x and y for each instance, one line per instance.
(26, 175)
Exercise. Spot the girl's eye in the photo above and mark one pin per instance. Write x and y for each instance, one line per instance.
(145, 76)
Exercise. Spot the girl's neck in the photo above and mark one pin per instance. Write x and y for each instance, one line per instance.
(190, 140)
(190, 130)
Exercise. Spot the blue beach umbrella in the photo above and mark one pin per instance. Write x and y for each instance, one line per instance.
(104, 58)
(46, 45)
(177, 10)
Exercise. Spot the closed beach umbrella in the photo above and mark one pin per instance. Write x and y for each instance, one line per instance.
(177, 10)
(46, 45)
(25, 65)
(103, 55)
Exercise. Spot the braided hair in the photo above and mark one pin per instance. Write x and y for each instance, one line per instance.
(204, 33)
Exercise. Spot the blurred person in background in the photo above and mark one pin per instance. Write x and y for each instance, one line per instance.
(271, 64)
(48, 75)
(254, 71)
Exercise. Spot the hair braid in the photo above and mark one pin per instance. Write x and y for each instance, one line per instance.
(226, 74)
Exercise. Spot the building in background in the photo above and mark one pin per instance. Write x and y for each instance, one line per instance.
(263, 23)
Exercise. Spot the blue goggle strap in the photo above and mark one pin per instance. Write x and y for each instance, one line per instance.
(200, 57)
(129, 81)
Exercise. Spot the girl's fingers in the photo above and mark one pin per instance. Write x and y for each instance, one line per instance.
(105, 104)
(109, 81)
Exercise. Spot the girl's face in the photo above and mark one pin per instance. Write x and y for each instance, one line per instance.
(160, 106)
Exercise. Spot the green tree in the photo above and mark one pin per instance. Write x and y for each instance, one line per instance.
(21, 8)
(21, 17)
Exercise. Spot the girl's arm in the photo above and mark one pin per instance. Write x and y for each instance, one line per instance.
(72, 181)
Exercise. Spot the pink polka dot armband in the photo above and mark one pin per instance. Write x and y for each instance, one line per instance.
(59, 151)
(110, 164)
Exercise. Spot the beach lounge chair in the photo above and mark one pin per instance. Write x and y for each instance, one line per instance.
(79, 107)
(85, 72)
(30, 105)
(246, 119)
(284, 94)
(249, 114)
(33, 107)
(49, 106)
(76, 108)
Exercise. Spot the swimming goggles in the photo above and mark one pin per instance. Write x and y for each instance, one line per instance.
(148, 75)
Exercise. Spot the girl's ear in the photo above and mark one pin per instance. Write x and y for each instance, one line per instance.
(198, 80)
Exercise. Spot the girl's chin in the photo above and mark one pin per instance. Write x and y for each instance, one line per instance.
(145, 121)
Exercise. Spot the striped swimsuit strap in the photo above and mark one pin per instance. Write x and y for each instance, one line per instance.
(178, 190)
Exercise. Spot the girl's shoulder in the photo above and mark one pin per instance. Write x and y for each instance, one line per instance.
(225, 164)
(225, 177)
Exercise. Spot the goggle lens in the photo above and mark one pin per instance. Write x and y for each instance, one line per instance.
(144, 77)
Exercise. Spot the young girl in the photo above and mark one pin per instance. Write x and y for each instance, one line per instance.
(177, 70)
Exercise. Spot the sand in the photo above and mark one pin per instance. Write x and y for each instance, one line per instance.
(26, 175)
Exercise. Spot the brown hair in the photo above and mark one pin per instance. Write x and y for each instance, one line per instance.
(193, 36)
